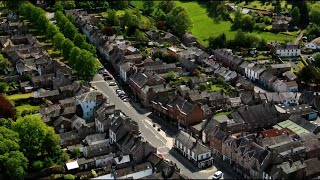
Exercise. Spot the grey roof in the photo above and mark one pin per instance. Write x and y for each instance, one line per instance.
(197, 80)
(191, 143)
(67, 101)
(68, 136)
(182, 104)
(130, 170)
(287, 46)
(279, 66)
(97, 150)
(290, 75)
(267, 76)
(77, 122)
(61, 119)
(312, 167)
(304, 123)
(269, 141)
(199, 126)
(94, 137)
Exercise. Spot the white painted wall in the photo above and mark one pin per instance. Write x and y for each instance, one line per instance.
(87, 107)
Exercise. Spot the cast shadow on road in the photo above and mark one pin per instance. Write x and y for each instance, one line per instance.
(184, 161)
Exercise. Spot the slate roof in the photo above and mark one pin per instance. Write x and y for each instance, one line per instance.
(61, 119)
(88, 96)
(77, 122)
(304, 123)
(94, 137)
(191, 143)
(290, 75)
(312, 168)
(267, 76)
(279, 66)
(182, 104)
(316, 41)
(97, 150)
(130, 170)
(67, 136)
(269, 141)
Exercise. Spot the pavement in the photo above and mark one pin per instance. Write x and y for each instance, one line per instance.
(162, 139)
(297, 40)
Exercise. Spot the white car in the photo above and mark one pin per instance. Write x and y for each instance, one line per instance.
(112, 84)
(217, 175)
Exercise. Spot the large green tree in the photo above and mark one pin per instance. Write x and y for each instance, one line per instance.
(51, 31)
(295, 13)
(166, 5)
(58, 40)
(315, 14)
(86, 65)
(75, 51)
(69, 30)
(79, 39)
(42, 23)
(178, 20)
(37, 139)
(66, 48)
(247, 22)
(148, 7)
(112, 17)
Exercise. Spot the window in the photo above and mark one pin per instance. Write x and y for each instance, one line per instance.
(207, 155)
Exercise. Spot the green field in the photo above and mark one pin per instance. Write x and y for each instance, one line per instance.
(27, 107)
(15, 97)
(204, 26)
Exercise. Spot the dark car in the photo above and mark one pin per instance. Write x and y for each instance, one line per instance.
(108, 78)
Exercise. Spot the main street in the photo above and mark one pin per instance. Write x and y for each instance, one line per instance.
(160, 139)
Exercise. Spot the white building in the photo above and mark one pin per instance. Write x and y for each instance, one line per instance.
(314, 44)
(254, 72)
(287, 50)
(194, 150)
(88, 101)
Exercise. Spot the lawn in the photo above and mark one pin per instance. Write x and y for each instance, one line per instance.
(215, 88)
(15, 97)
(27, 107)
(222, 113)
(204, 26)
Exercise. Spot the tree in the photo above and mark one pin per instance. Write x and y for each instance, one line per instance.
(42, 23)
(237, 22)
(89, 47)
(36, 12)
(71, 18)
(7, 110)
(148, 7)
(86, 65)
(315, 14)
(112, 17)
(51, 31)
(58, 6)
(58, 40)
(79, 39)
(295, 13)
(247, 23)
(37, 139)
(37, 165)
(316, 57)
(69, 30)
(107, 30)
(14, 164)
(218, 42)
(3, 87)
(166, 5)
(170, 76)
(69, 177)
(75, 51)
(178, 20)
(160, 15)
(4, 64)
(66, 48)
(75, 153)
(277, 7)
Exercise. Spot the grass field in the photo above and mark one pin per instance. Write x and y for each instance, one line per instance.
(19, 96)
(27, 107)
(204, 26)
(223, 113)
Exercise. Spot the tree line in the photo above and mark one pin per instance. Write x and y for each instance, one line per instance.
(77, 53)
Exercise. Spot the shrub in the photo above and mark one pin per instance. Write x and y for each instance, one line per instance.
(69, 177)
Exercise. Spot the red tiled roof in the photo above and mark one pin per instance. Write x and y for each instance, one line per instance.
(276, 132)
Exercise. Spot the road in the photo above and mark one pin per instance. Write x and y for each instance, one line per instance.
(161, 139)
(299, 37)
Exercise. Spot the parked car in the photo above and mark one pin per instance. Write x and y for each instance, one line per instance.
(126, 99)
(108, 78)
(217, 175)
(122, 94)
(123, 97)
(106, 73)
(112, 84)
(118, 91)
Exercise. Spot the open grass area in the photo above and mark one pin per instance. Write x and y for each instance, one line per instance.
(27, 107)
(215, 88)
(204, 26)
(15, 97)
(222, 113)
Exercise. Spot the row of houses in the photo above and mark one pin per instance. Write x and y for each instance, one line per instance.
(276, 77)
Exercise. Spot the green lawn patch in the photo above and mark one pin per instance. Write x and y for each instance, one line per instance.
(15, 97)
(222, 113)
(28, 108)
(215, 88)
(204, 26)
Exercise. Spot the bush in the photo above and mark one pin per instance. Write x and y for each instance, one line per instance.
(69, 177)
(37, 165)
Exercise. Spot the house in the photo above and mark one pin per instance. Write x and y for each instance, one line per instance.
(69, 138)
(194, 150)
(189, 65)
(62, 125)
(282, 86)
(216, 141)
(103, 115)
(289, 76)
(243, 83)
(310, 98)
(195, 81)
(245, 156)
(136, 147)
(305, 124)
(281, 23)
(134, 58)
(302, 110)
(161, 68)
(266, 79)
(226, 73)
(254, 72)
(120, 127)
(227, 58)
(312, 144)
(52, 95)
(183, 90)
(96, 150)
(286, 50)
(134, 172)
(86, 164)
(219, 100)
(279, 69)
(126, 69)
(96, 138)
(287, 170)
(81, 127)
(314, 44)
(143, 85)
(250, 98)
(50, 113)
(312, 170)
(188, 39)
(104, 160)
(284, 98)
(87, 102)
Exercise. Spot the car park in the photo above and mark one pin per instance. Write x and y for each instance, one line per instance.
(123, 97)
(108, 78)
